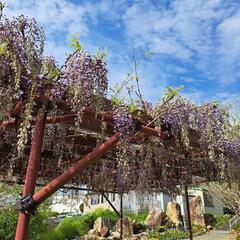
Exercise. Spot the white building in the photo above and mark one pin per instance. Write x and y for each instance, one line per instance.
(137, 203)
(68, 202)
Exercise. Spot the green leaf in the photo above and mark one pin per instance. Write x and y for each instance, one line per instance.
(3, 48)
(170, 92)
(75, 43)
(148, 53)
(101, 54)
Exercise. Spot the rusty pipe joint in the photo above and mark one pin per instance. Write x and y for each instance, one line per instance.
(26, 205)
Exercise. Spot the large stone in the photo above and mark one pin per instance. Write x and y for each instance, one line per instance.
(114, 236)
(101, 223)
(138, 228)
(105, 232)
(93, 232)
(155, 218)
(209, 227)
(127, 227)
(174, 216)
(196, 211)
(92, 235)
(141, 236)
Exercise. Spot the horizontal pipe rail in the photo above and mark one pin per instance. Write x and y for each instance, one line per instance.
(88, 114)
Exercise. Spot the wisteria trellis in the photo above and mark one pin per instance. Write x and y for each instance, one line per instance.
(199, 139)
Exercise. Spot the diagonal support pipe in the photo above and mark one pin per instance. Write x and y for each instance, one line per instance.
(61, 180)
(110, 203)
(31, 175)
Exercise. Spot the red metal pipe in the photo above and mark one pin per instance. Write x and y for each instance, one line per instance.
(87, 113)
(152, 132)
(7, 123)
(17, 109)
(57, 183)
(104, 117)
(31, 175)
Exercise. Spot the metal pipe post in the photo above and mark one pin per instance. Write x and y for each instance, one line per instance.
(188, 213)
(121, 216)
(31, 175)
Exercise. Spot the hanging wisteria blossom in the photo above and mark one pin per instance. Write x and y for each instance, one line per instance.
(159, 146)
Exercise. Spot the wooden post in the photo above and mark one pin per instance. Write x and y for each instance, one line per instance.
(31, 175)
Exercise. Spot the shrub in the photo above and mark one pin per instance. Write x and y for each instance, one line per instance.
(222, 220)
(105, 214)
(8, 222)
(237, 227)
(168, 235)
(197, 228)
(77, 225)
(210, 219)
(139, 218)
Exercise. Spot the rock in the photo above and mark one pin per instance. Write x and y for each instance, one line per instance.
(92, 235)
(138, 228)
(105, 232)
(174, 216)
(155, 218)
(127, 227)
(114, 236)
(209, 227)
(93, 232)
(196, 211)
(100, 223)
(141, 236)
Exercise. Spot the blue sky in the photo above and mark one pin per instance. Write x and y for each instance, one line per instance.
(195, 43)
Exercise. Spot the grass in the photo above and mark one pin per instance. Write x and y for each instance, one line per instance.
(168, 235)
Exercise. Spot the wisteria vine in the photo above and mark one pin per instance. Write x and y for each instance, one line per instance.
(82, 83)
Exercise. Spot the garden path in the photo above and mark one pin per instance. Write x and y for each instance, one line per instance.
(216, 235)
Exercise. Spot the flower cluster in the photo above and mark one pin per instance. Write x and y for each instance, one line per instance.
(86, 79)
(122, 120)
(208, 121)
(24, 43)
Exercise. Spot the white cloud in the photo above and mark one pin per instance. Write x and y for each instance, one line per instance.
(54, 15)
(229, 48)
(61, 19)
(201, 33)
